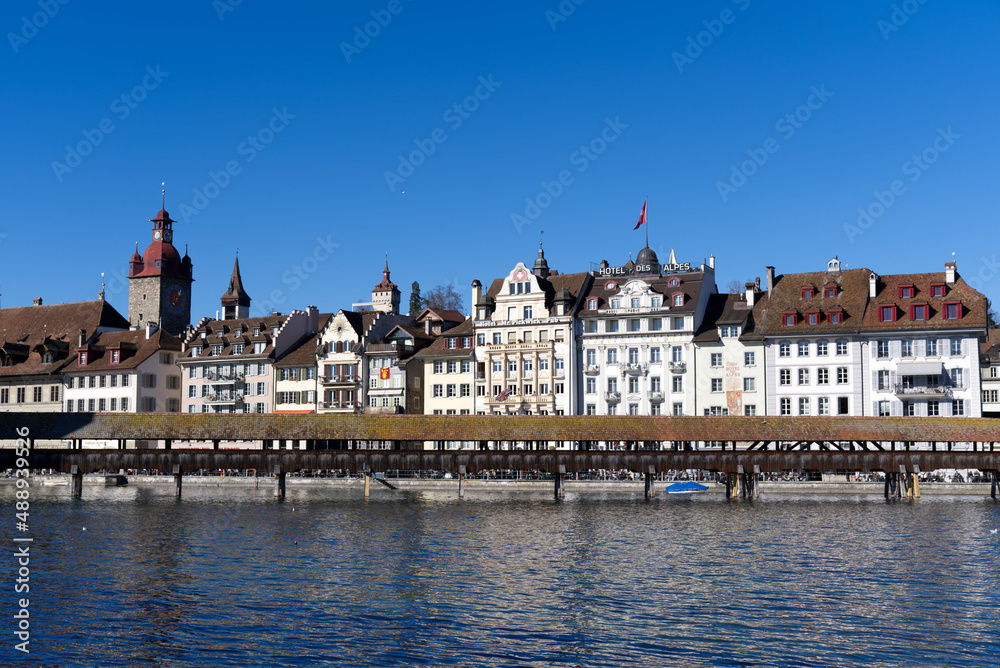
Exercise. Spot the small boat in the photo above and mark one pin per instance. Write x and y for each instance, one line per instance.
(687, 487)
(53, 483)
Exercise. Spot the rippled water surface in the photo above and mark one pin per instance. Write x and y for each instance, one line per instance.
(230, 577)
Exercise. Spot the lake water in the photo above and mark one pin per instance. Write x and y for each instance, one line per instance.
(231, 577)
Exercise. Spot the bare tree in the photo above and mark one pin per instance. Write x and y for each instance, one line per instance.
(734, 286)
(444, 297)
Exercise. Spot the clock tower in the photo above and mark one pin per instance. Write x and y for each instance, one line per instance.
(159, 288)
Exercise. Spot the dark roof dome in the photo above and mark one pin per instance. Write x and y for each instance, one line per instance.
(647, 256)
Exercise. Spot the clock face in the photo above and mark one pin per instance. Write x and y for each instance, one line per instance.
(167, 235)
(156, 235)
(176, 298)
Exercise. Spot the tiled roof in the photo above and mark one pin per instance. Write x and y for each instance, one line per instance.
(223, 332)
(440, 346)
(135, 349)
(887, 293)
(304, 353)
(722, 309)
(690, 286)
(551, 285)
(448, 315)
(786, 297)
(990, 348)
(27, 332)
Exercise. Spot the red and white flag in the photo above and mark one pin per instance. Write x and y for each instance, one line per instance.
(642, 216)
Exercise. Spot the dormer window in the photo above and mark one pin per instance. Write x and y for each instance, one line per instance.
(808, 292)
(830, 291)
(610, 285)
(919, 312)
(678, 299)
(216, 349)
(592, 304)
(116, 356)
(952, 311)
(656, 302)
(673, 282)
(789, 318)
(237, 348)
(938, 289)
(47, 358)
(82, 358)
(906, 291)
(887, 313)
(196, 351)
(812, 317)
(452, 343)
(256, 331)
(835, 316)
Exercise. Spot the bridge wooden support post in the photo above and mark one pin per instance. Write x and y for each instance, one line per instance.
(915, 482)
(741, 478)
(461, 480)
(650, 482)
(76, 486)
(279, 482)
(560, 483)
(732, 485)
(905, 482)
(368, 484)
(756, 481)
(993, 484)
(178, 477)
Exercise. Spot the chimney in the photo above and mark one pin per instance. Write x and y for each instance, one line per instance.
(477, 292)
(872, 285)
(751, 294)
(427, 325)
(151, 328)
(770, 280)
(312, 313)
(82, 339)
(949, 274)
(756, 284)
(711, 261)
(37, 301)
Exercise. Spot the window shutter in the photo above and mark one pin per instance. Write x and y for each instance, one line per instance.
(892, 380)
(895, 349)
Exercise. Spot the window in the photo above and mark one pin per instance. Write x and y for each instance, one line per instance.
(591, 386)
(481, 339)
(452, 366)
(612, 325)
(634, 303)
(591, 326)
(592, 304)
(956, 377)
(148, 380)
(676, 323)
(808, 292)
(841, 347)
(82, 358)
(883, 409)
(952, 311)
(216, 349)
(612, 356)
(887, 313)
(803, 376)
(616, 303)
(830, 291)
(654, 409)
(937, 289)
(883, 380)
(679, 299)
(803, 349)
(931, 346)
(438, 390)
(789, 318)
(466, 366)
(958, 406)
(918, 312)
(749, 409)
(933, 408)
(634, 325)
(497, 366)
(497, 338)
(677, 354)
(654, 384)
(92, 381)
(749, 384)
(116, 356)
(238, 349)
(881, 349)
(511, 366)
(909, 409)
(654, 355)
(655, 324)
(633, 385)
(450, 390)
(822, 376)
(560, 388)
(748, 359)
(438, 367)
(785, 377)
(822, 348)
(907, 347)
(612, 384)
(803, 405)
(54, 393)
(812, 317)
(528, 313)
(784, 349)
(835, 316)
(956, 347)
(842, 375)
(716, 359)
(843, 406)
(591, 409)
(676, 383)
(717, 385)
(786, 406)
(36, 394)
(906, 291)
(677, 409)
(591, 356)
(823, 405)
(656, 302)
(633, 355)
(452, 343)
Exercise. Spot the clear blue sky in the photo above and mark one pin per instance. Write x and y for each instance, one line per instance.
(555, 85)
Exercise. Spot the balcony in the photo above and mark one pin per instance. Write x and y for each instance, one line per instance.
(384, 410)
(632, 369)
(677, 367)
(612, 397)
(224, 398)
(341, 379)
(340, 405)
(592, 370)
(656, 397)
(214, 378)
(924, 391)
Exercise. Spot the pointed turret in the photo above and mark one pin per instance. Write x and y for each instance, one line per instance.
(236, 301)
(541, 268)
(385, 295)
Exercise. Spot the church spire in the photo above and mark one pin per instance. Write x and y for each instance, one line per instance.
(236, 301)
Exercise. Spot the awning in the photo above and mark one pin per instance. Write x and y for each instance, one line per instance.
(919, 368)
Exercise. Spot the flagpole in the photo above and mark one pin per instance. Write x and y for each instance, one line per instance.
(647, 223)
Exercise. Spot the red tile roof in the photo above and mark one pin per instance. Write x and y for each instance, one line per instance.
(973, 304)
(135, 349)
(786, 297)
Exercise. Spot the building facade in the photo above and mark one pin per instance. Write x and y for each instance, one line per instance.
(159, 288)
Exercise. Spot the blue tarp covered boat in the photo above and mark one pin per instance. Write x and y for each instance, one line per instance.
(687, 487)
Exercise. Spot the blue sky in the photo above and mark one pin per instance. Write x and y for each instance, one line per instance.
(342, 148)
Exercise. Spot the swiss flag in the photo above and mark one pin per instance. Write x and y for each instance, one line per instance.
(642, 216)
